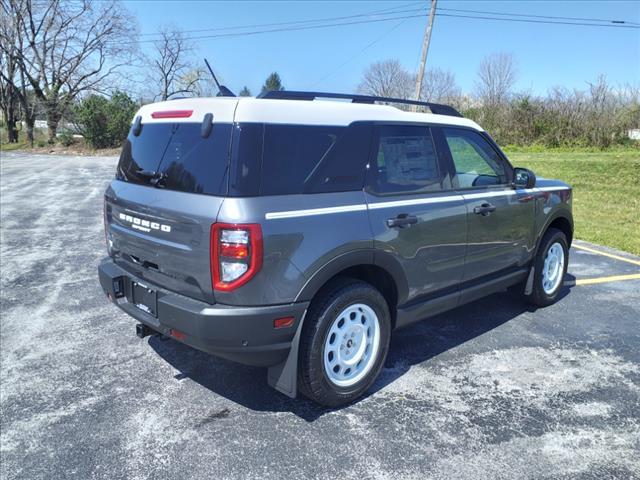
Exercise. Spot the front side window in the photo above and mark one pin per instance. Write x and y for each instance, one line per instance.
(405, 161)
(476, 162)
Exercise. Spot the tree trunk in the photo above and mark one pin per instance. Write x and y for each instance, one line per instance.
(12, 132)
(53, 119)
(9, 99)
(30, 121)
(10, 122)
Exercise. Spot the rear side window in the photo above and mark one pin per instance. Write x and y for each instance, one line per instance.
(177, 155)
(270, 159)
(246, 159)
(343, 167)
(405, 161)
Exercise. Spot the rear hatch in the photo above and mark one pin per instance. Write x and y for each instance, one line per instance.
(170, 183)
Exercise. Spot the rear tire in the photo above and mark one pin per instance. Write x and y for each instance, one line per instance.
(550, 265)
(344, 342)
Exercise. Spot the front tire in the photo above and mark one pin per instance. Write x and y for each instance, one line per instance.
(344, 342)
(550, 268)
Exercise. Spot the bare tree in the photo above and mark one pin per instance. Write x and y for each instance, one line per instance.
(630, 94)
(202, 84)
(70, 48)
(440, 86)
(497, 75)
(14, 91)
(172, 68)
(611, 111)
(8, 95)
(387, 79)
(29, 107)
(8, 74)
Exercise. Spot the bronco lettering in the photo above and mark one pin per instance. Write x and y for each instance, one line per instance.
(144, 225)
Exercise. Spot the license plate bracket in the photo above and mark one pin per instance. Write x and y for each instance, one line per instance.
(145, 298)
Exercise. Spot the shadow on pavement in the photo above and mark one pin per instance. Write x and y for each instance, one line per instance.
(413, 345)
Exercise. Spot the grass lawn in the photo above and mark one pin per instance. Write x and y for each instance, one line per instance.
(40, 137)
(7, 147)
(606, 186)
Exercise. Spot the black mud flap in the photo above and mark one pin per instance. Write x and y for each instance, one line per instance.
(528, 288)
(284, 376)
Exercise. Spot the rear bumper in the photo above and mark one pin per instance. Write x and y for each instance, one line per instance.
(242, 334)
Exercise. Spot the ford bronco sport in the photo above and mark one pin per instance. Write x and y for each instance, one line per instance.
(296, 232)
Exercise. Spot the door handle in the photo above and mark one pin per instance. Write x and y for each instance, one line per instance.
(484, 209)
(401, 221)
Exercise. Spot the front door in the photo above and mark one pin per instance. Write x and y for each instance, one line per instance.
(499, 218)
(415, 216)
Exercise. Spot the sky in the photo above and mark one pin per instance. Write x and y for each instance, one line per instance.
(334, 59)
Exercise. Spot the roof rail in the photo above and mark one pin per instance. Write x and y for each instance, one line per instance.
(436, 108)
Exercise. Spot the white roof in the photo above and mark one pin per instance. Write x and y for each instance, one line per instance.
(300, 112)
(222, 108)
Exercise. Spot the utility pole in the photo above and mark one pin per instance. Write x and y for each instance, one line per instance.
(425, 49)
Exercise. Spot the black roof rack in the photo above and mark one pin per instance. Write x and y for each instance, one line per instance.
(436, 108)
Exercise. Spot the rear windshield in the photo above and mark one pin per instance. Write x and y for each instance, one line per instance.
(175, 156)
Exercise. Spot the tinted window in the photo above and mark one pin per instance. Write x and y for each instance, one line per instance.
(289, 159)
(343, 167)
(188, 162)
(291, 153)
(246, 159)
(405, 161)
(144, 152)
(477, 163)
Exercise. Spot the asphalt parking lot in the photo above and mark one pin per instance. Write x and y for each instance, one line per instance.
(489, 390)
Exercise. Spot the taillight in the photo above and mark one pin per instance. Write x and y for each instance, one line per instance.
(172, 114)
(107, 235)
(236, 254)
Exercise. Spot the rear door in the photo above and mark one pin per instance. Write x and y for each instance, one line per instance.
(414, 215)
(170, 184)
(499, 218)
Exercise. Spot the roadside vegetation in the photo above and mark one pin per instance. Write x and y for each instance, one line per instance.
(599, 115)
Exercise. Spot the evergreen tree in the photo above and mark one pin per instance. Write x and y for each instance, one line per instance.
(272, 83)
(245, 92)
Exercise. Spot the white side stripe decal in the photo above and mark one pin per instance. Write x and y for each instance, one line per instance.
(551, 189)
(501, 193)
(414, 201)
(402, 203)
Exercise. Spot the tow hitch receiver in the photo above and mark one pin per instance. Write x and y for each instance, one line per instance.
(143, 331)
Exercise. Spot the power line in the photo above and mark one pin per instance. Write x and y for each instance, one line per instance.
(369, 45)
(389, 11)
(617, 22)
(285, 29)
(536, 21)
(388, 19)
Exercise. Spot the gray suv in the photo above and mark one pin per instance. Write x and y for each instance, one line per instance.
(297, 230)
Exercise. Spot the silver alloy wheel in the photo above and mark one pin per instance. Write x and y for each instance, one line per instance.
(352, 345)
(553, 268)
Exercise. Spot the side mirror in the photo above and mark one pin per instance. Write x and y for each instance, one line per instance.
(523, 178)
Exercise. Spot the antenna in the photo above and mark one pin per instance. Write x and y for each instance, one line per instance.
(212, 74)
(222, 90)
